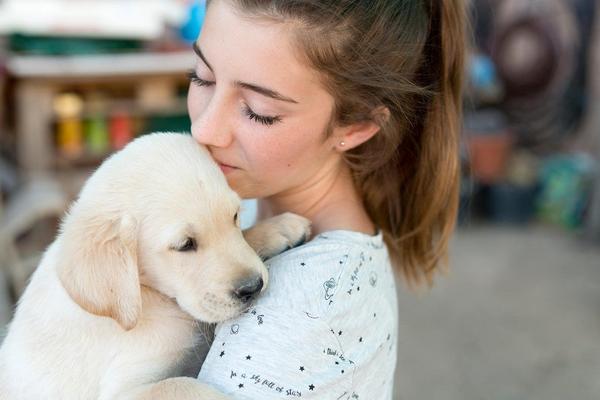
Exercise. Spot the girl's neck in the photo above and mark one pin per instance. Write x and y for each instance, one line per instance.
(331, 204)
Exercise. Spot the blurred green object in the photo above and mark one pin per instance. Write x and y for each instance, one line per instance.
(169, 123)
(97, 138)
(566, 186)
(49, 45)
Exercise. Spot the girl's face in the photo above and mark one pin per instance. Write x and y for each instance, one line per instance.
(260, 111)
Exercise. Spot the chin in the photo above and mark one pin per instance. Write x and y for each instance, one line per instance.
(212, 313)
(243, 191)
(216, 316)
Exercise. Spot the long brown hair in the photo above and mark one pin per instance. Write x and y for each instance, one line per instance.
(406, 56)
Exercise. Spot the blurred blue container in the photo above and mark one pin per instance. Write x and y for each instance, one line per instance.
(191, 29)
(510, 204)
(482, 72)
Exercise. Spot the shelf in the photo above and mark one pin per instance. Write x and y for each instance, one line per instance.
(132, 108)
(143, 85)
(103, 65)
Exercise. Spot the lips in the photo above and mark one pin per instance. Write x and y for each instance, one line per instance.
(219, 161)
(226, 165)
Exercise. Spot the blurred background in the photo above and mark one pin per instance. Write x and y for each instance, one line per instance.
(517, 316)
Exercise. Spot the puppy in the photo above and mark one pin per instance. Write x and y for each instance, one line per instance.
(151, 245)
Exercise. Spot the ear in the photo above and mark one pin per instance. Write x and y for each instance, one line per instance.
(98, 265)
(351, 136)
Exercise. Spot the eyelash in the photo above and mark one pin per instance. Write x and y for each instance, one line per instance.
(262, 119)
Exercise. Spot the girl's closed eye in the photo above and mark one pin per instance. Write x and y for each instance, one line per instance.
(193, 77)
(262, 119)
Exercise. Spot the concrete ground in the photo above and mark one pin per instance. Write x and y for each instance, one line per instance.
(518, 318)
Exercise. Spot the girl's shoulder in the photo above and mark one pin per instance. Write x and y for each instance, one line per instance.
(325, 326)
(318, 272)
(332, 245)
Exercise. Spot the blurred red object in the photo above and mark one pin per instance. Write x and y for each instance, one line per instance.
(490, 142)
(489, 156)
(121, 130)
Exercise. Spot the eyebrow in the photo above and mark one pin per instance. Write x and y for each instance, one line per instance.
(255, 88)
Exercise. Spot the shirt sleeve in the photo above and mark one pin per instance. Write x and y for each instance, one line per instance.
(304, 338)
(273, 353)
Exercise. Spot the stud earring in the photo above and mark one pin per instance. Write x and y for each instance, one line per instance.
(342, 143)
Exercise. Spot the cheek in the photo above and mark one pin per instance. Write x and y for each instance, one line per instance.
(278, 163)
(157, 264)
(179, 272)
(273, 157)
(298, 147)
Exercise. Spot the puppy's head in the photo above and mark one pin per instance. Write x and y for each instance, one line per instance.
(160, 214)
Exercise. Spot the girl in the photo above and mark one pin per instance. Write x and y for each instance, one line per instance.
(345, 112)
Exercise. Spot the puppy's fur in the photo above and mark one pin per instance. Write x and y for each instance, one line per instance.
(151, 245)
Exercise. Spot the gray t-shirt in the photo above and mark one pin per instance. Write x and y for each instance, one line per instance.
(325, 328)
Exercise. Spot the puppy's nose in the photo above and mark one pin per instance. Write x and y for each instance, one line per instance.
(248, 289)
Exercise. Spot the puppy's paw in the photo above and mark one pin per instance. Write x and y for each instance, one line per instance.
(293, 229)
(278, 234)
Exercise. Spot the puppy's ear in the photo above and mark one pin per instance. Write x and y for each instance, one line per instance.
(98, 265)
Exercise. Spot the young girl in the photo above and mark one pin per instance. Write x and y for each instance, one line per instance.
(346, 112)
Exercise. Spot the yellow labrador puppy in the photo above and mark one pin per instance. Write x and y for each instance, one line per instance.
(152, 244)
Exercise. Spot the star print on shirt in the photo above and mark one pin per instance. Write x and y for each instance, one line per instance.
(331, 280)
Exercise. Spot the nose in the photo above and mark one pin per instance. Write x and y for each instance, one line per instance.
(248, 289)
(211, 127)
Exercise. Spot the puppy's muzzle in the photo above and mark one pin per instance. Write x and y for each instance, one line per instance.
(248, 289)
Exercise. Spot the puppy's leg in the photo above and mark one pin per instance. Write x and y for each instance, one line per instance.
(277, 234)
(174, 389)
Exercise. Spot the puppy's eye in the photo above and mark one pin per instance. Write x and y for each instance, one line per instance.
(189, 245)
(235, 218)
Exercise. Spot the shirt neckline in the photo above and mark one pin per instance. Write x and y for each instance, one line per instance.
(351, 235)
